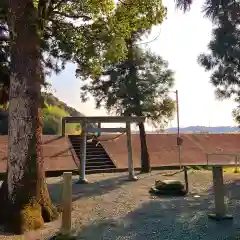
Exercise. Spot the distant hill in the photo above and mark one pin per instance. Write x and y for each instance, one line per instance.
(203, 129)
(53, 112)
(51, 100)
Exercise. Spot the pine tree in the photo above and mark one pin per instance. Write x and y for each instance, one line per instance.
(137, 86)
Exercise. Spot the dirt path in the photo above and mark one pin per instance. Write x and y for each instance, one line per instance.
(112, 208)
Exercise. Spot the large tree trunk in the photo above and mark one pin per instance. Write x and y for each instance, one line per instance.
(24, 197)
(145, 160)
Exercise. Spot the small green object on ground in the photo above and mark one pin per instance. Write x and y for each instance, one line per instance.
(63, 237)
(236, 170)
(216, 217)
(168, 187)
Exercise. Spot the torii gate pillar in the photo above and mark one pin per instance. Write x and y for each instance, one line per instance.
(129, 148)
(83, 153)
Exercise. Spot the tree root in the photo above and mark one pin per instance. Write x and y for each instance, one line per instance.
(34, 216)
(29, 217)
(18, 218)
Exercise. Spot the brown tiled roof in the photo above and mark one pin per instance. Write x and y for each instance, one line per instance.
(59, 155)
(163, 148)
(56, 151)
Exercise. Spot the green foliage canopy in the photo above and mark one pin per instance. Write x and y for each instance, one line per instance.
(211, 8)
(90, 33)
(116, 90)
(112, 32)
(223, 57)
(118, 93)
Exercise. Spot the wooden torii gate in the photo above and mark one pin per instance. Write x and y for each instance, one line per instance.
(85, 121)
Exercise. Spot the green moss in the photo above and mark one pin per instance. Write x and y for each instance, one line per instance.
(59, 208)
(169, 185)
(31, 217)
(26, 213)
(65, 237)
(236, 170)
(49, 213)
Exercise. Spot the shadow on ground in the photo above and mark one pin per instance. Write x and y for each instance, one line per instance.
(161, 217)
(171, 218)
(95, 188)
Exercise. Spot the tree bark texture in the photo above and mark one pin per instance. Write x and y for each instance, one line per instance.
(145, 160)
(24, 200)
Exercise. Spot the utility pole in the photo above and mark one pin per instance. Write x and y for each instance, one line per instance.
(179, 144)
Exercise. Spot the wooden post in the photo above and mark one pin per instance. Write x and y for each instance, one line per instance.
(66, 203)
(83, 148)
(63, 127)
(220, 208)
(99, 126)
(218, 187)
(129, 148)
(186, 179)
(236, 165)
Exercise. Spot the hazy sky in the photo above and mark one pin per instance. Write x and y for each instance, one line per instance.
(182, 38)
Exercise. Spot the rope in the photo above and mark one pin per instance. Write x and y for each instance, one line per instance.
(104, 140)
(172, 174)
(111, 139)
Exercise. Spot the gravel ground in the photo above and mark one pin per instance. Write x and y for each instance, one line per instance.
(113, 208)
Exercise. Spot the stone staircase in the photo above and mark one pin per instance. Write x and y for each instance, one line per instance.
(97, 159)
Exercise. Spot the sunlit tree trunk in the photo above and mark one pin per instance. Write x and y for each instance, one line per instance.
(25, 201)
(145, 160)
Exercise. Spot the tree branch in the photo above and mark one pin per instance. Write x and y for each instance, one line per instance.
(73, 16)
(4, 38)
(3, 28)
(58, 4)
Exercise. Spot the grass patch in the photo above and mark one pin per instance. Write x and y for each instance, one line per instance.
(231, 170)
(200, 168)
(209, 168)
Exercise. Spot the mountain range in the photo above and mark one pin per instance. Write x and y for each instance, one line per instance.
(204, 129)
